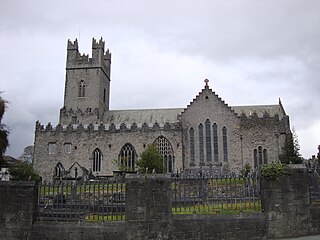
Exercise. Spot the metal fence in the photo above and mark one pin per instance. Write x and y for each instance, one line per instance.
(82, 201)
(215, 194)
(314, 185)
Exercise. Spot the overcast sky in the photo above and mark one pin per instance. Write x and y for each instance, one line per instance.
(253, 52)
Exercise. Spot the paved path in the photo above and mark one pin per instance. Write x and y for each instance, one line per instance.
(314, 237)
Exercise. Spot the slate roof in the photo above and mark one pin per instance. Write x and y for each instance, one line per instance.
(161, 116)
(140, 116)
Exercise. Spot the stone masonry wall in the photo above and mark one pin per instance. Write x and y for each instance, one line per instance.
(84, 142)
(287, 212)
(78, 231)
(148, 207)
(18, 205)
(286, 204)
(194, 227)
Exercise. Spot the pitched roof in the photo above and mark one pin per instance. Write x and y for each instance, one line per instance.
(140, 116)
(161, 116)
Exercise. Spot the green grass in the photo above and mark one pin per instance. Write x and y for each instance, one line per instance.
(99, 218)
(230, 208)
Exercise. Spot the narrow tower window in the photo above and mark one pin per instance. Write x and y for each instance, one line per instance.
(82, 89)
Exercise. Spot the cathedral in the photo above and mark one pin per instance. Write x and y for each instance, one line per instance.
(91, 140)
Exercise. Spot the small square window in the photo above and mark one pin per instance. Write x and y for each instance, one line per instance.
(52, 148)
(67, 148)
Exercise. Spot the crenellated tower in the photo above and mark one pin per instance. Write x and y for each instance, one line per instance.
(87, 84)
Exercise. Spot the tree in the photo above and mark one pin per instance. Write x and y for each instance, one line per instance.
(151, 160)
(291, 150)
(4, 143)
(23, 171)
(27, 155)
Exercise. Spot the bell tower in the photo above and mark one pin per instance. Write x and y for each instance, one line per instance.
(87, 84)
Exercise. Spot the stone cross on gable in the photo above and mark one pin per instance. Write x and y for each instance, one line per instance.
(206, 81)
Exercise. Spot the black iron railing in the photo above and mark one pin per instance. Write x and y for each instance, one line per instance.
(82, 201)
(215, 194)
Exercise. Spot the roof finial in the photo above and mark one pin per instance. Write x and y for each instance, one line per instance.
(206, 81)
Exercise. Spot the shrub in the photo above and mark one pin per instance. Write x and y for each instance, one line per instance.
(151, 160)
(272, 171)
(23, 171)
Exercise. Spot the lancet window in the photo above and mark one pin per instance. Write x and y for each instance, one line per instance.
(225, 143)
(96, 160)
(191, 139)
(58, 170)
(208, 140)
(201, 148)
(215, 142)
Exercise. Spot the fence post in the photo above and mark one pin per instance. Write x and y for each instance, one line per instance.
(286, 204)
(148, 206)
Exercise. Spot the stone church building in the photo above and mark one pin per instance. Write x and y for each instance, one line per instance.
(92, 140)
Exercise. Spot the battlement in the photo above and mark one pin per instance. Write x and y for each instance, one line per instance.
(100, 57)
(98, 44)
(108, 128)
(72, 45)
(266, 121)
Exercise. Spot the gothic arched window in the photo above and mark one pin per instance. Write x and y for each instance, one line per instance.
(127, 157)
(208, 140)
(82, 89)
(201, 151)
(164, 147)
(215, 142)
(96, 160)
(225, 143)
(191, 139)
(58, 170)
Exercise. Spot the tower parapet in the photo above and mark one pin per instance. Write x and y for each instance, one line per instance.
(100, 58)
